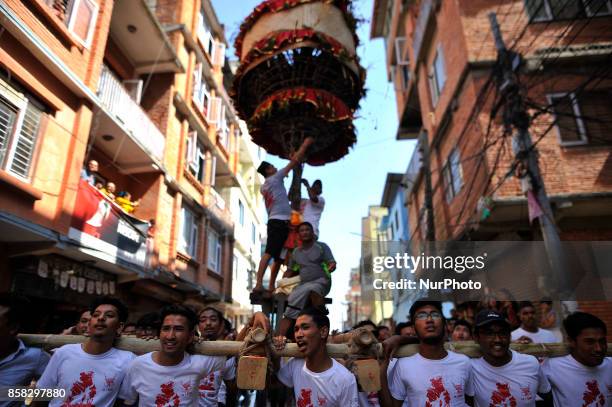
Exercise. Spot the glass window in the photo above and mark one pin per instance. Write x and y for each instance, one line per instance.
(214, 251)
(188, 243)
(453, 175)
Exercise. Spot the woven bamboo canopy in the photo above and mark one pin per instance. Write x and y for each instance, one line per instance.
(299, 76)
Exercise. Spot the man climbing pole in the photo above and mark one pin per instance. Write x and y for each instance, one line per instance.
(312, 208)
(279, 213)
(314, 262)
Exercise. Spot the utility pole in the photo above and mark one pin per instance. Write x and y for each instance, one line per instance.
(424, 146)
(516, 116)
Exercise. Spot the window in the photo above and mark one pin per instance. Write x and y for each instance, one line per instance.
(224, 131)
(20, 117)
(235, 267)
(205, 34)
(201, 91)
(546, 10)
(453, 175)
(437, 76)
(400, 56)
(188, 242)
(240, 212)
(214, 251)
(584, 118)
(78, 15)
(253, 233)
(195, 157)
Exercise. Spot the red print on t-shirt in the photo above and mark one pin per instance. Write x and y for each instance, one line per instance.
(207, 386)
(502, 396)
(526, 393)
(304, 398)
(437, 392)
(82, 392)
(167, 397)
(109, 383)
(322, 401)
(592, 396)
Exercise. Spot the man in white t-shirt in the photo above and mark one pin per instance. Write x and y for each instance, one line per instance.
(212, 327)
(19, 364)
(503, 377)
(92, 372)
(529, 332)
(312, 208)
(279, 213)
(317, 380)
(433, 376)
(171, 376)
(584, 377)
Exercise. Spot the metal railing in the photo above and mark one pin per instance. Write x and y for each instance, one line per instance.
(120, 104)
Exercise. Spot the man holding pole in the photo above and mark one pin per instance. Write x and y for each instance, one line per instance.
(279, 213)
(211, 326)
(92, 372)
(503, 376)
(433, 376)
(316, 379)
(584, 377)
(171, 376)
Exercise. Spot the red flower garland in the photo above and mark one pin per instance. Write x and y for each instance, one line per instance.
(328, 108)
(278, 40)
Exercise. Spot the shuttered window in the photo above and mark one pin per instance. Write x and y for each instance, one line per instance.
(20, 118)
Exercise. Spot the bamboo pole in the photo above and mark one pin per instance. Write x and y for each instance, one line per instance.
(232, 348)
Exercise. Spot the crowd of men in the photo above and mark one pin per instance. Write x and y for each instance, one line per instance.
(96, 373)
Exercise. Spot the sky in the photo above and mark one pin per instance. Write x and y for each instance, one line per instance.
(356, 181)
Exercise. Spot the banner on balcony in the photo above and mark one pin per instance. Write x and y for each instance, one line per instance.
(105, 231)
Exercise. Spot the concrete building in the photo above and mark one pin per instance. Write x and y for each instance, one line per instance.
(138, 87)
(374, 241)
(440, 54)
(249, 229)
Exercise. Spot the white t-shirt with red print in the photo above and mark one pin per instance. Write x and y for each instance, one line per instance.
(574, 384)
(154, 385)
(426, 382)
(89, 380)
(335, 387)
(514, 384)
(211, 385)
(275, 197)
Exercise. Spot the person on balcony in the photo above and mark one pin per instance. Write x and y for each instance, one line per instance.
(124, 200)
(109, 190)
(90, 172)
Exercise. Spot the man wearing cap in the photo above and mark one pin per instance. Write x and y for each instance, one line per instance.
(434, 376)
(503, 377)
(279, 213)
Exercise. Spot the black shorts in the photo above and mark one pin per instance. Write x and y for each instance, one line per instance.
(278, 230)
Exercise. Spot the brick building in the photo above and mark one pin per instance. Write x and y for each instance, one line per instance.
(140, 87)
(440, 56)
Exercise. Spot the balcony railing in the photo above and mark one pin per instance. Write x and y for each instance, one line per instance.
(414, 168)
(121, 105)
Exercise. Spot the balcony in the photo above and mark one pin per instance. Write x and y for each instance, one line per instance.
(422, 30)
(123, 131)
(136, 30)
(414, 169)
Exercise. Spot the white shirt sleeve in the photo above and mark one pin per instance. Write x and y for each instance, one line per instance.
(543, 383)
(128, 392)
(349, 396)
(396, 387)
(49, 377)
(320, 202)
(229, 371)
(285, 373)
(469, 386)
